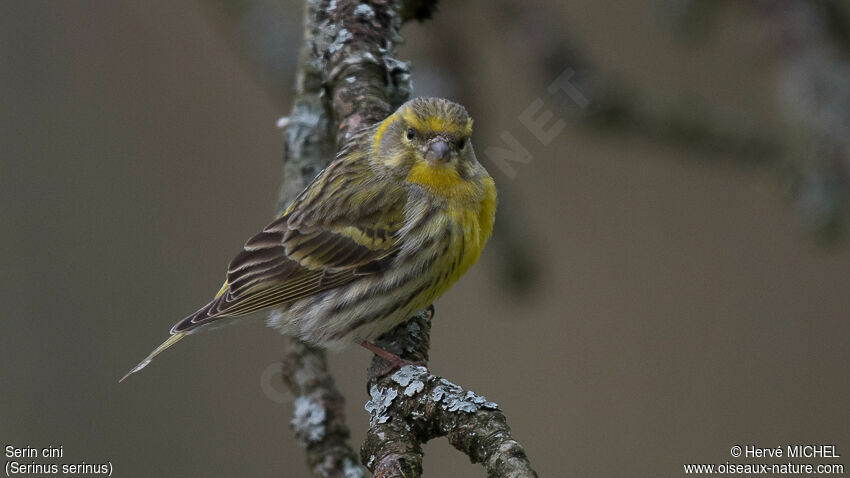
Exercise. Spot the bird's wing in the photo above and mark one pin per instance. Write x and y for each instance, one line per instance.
(342, 226)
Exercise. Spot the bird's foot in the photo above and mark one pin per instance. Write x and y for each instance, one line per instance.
(394, 362)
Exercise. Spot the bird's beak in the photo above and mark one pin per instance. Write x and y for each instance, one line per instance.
(438, 150)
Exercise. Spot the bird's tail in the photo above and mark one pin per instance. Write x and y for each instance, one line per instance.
(168, 343)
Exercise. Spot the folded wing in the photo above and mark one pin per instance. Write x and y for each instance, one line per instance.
(342, 227)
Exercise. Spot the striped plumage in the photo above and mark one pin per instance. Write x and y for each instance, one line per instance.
(385, 229)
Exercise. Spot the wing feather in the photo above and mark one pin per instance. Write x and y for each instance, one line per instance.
(343, 226)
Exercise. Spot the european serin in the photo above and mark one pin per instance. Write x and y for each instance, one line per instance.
(400, 214)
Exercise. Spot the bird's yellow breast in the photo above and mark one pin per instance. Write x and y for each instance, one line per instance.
(473, 223)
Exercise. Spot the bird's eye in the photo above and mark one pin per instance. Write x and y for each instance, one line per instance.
(461, 144)
(410, 133)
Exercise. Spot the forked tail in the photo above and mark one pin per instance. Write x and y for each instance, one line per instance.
(168, 343)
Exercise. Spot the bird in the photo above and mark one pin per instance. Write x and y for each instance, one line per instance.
(398, 216)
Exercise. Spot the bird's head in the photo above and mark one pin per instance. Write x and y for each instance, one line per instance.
(426, 141)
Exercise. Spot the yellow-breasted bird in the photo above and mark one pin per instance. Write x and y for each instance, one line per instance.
(400, 214)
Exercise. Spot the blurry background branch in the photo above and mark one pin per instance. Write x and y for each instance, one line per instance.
(348, 76)
(813, 89)
(808, 43)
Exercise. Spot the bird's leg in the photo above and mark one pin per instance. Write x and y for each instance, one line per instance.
(394, 360)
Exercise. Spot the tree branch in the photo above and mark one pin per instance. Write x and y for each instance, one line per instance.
(347, 71)
(319, 418)
(412, 406)
(308, 146)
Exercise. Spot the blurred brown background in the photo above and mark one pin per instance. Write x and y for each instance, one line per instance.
(646, 302)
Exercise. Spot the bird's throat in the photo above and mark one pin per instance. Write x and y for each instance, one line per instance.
(442, 180)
